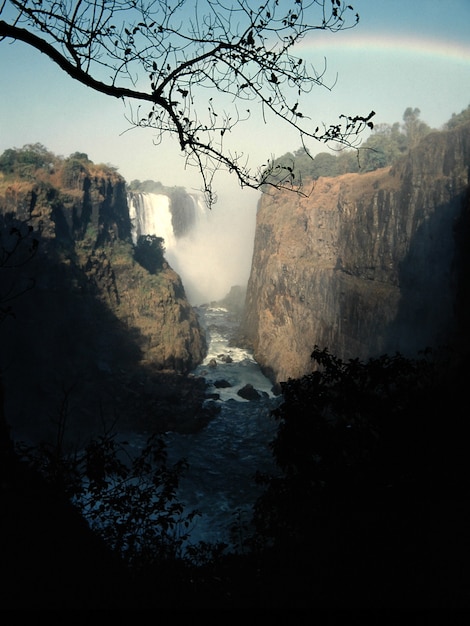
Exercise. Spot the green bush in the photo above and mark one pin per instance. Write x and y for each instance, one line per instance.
(348, 432)
(149, 252)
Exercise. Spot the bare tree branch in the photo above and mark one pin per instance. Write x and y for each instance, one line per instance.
(195, 64)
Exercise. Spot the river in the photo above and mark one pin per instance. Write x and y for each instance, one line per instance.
(224, 457)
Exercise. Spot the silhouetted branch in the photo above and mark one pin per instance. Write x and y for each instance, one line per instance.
(171, 54)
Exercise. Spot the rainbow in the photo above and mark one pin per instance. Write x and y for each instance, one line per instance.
(458, 52)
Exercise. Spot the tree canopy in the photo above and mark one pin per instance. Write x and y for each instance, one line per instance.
(193, 69)
(385, 144)
(459, 118)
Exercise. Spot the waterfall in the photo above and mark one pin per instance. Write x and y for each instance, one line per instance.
(150, 214)
(213, 251)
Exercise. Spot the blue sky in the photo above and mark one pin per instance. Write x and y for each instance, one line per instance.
(401, 54)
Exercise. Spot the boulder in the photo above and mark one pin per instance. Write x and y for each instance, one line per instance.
(221, 383)
(248, 392)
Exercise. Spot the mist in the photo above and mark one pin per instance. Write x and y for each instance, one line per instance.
(217, 252)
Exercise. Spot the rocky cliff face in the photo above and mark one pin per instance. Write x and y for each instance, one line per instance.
(368, 264)
(97, 336)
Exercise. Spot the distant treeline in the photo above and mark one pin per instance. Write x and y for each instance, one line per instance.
(34, 163)
(386, 144)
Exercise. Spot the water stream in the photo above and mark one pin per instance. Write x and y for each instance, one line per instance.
(224, 456)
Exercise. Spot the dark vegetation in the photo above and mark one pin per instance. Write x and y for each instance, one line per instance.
(364, 455)
(150, 252)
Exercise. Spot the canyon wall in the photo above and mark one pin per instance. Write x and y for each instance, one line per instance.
(92, 335)
(367, 264)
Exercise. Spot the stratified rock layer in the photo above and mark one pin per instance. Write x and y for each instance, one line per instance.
(367, 264)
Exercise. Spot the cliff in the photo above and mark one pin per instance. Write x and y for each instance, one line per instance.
(92, 337)
(367, 264)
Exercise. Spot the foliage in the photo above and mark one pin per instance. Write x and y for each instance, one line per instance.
(24, 162)
(414, 128)
(383, 147)
(196, 67)
(349, 431)
(459, 118)
(146, 186)
(73, 173)
(129, 499)
(149, 252)
(80, 156)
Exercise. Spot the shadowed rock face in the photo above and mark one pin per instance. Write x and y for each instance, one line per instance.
(367, 264)
(97, 337)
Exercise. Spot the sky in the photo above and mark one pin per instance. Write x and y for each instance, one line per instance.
(401, 54)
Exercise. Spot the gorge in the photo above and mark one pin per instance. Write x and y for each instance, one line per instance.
(366, 264)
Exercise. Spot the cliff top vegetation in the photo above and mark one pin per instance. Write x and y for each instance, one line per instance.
(384, 146)
(34, 163)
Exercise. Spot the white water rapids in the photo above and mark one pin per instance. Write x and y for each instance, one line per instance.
(224, 456)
